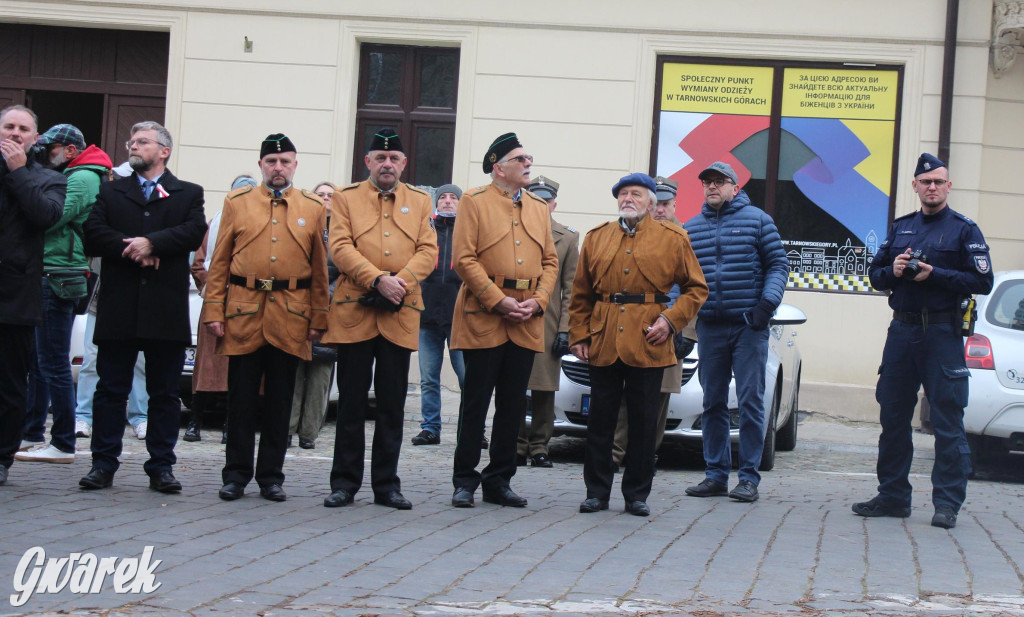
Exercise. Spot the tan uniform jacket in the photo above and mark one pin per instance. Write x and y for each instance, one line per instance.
(373, 233)
(556, 318)
(495, 236)
(262, 237)
(650, 260)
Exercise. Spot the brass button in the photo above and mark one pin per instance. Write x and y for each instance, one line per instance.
(386, 197)
(622, 309)
(274, 221)
(626, 270)
(387, 234)
(146, 213)
(387, 253)
(414, 302)
(348, 297)
(271, 298)
(273, 239)
(620, 328)
(629, 251)
(518, 242)
(386, 215)
(516, 223)
(273, 258)
(519, 261)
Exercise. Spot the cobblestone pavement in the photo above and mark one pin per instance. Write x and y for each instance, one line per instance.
(797, 551)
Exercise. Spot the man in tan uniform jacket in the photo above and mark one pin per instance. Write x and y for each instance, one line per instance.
(534, 438)
(620, 324)
(382, 243)
(505, 255)
(266, 300)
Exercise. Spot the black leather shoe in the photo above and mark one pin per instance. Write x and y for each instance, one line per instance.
(165, 482)
(273, 492)
(338, 499)
(520, 460)
(542, 460)
(707, 488)
(96, 478)
(745, 491)
(231, 491)
(637, 508)
(394, 499)
(426, 438)
(944, 517)
(879, 506)
(306, 444)
(593, 504)
(462, 498)
(192, 433)
(504, 496)
(484, 444)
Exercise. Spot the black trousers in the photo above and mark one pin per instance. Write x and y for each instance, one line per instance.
(642, 389)
(115, 365)
(503, 371)
(390, 383)
(277, 369)
(15, 361)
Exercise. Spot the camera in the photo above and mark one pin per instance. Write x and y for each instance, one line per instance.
(38, 154)
(913, 267)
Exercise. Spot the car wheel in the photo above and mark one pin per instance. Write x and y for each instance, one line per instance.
(786, 439)
(768, 454)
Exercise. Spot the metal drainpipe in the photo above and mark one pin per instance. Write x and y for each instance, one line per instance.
(948, 65)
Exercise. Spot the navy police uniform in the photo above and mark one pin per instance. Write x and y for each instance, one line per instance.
(925, 347)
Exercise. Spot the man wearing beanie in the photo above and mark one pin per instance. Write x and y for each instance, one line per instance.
(439, 292)
(382, 243)
(266, 301)
(620, 323)
(508, 272)
(925, 344)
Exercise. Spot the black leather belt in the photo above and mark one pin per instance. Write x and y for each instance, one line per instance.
(270, 284)
(507, 283)
(652, 298)
(919, 318)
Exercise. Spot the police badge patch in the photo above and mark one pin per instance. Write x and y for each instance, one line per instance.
(981, 264)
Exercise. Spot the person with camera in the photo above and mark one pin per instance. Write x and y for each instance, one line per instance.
(931, 261)
(31, 201)
(65, 287)
(384, 246)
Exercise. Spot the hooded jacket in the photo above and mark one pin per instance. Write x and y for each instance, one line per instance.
(63, 249)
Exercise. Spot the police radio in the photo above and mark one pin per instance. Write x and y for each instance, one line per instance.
(969, 310)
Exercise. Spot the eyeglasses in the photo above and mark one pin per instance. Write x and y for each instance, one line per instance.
(142, 143)
(938, 183)
(521, 159)
(717, 182)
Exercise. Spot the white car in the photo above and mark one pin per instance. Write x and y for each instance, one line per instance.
(781, 395)
(994, 416)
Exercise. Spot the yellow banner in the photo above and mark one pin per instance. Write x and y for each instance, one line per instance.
(839, 93)
(717, 89)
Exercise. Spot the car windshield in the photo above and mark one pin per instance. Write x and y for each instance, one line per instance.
(1006, 309)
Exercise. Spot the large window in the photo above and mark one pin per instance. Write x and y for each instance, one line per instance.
(413, 90)
(813, 144)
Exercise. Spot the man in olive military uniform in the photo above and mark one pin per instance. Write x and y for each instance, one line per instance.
(508, 274)
(925, 344)
(384, 246)
(266, 301)
(620, 323)
(533, 439)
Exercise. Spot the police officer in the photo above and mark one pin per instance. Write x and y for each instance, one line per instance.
(533, 440)
(925, 345)
(266, 300)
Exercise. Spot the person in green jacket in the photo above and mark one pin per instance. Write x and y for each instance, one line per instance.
(64, 284)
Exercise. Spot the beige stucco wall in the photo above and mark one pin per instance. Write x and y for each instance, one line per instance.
(576, 81)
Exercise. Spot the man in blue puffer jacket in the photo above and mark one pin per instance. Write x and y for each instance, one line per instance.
(745, 265)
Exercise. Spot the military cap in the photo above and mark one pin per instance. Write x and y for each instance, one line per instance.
(545, 188)
(276, 144)
(64, 134)
(386, 139)
(500, 147)
(667, 189)
(634, 179)
(927, 163)
(723, 168)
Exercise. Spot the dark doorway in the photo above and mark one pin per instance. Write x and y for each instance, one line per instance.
(81, 109)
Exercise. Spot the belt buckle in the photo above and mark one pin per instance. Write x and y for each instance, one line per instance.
(522, 284)
(616, 298)
(265, 284)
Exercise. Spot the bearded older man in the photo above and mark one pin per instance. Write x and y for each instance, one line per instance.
(620, 323)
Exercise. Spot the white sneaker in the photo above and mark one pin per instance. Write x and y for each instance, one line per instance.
(49, 454)
(29, 445)
(140, 429)
(82, 428)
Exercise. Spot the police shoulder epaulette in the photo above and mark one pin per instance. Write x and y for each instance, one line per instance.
(571, 229)
(311, 196)
(416, 189)
(240, 191)
(961, 217)
(349, 186)
(535, 197)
